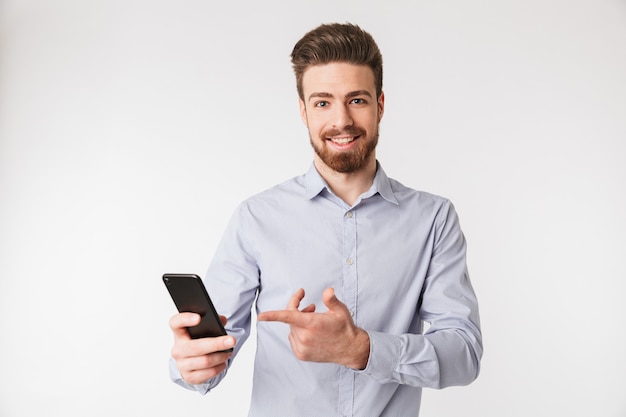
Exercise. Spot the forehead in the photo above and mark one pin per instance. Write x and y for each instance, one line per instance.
(338, 78)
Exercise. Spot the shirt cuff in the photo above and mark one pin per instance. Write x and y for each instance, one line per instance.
(385, 351)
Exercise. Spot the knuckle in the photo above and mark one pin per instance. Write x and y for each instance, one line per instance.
(205, 362)
(216, 370)
(300, 351)
(174, 322)
(306, 339)
(176, 352)
(182, 349)
(191, 377)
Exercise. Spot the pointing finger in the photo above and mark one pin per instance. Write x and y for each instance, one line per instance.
(283, 316)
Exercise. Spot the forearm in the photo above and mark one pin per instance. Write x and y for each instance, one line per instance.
(444, 358)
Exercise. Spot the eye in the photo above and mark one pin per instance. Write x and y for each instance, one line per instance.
(358, 101)
(321, 104)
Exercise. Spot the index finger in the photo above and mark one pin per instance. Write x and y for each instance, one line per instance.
(284, 316)
(180, 322)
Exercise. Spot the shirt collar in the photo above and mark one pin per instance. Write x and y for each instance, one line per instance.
(315, 184)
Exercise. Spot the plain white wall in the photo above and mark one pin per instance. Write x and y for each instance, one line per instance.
(129, 130)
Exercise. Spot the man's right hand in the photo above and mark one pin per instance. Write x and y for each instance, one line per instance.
(198, 360)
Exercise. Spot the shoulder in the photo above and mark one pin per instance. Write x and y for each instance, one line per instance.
(408, 195)
(283, 194)
(433, 209)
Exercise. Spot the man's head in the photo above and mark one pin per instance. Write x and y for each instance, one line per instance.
(339, 75)
(337, 43)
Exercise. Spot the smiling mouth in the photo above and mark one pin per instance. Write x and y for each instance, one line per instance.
(343, 140)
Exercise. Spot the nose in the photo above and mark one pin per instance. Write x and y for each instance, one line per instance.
(342, 117)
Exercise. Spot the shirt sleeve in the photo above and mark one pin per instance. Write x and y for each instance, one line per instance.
(450, 351)
(232, 280)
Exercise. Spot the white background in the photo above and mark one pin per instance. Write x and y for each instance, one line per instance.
(129, 131)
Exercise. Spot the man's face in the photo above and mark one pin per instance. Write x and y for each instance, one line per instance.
(342, 114)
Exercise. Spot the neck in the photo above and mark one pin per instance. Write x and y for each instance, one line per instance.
(348, 185)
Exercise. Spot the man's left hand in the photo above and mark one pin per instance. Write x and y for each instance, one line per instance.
(331, 336)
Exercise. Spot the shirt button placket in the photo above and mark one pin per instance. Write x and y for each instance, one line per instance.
(349, 298)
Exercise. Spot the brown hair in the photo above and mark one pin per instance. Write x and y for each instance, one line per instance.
(337, 42)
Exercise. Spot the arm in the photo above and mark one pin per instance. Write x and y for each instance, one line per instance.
(449, 353)
(232, 281)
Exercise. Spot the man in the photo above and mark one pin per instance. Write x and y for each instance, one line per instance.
(359, 260)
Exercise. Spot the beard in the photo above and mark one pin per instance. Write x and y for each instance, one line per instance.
(348, 161)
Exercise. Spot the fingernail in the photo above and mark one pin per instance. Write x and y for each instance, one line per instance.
(229, 342)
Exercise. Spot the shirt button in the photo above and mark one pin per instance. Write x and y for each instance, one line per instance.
(349, 214)
(349, 261)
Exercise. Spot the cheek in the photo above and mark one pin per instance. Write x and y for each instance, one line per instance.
(315, 126)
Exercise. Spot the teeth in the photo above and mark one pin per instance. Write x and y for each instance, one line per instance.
(341, 141)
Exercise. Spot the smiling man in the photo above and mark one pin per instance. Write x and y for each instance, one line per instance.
(345, 264)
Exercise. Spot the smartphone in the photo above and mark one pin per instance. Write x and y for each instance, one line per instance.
(190, 295)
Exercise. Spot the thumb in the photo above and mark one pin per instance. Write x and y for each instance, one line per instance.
(331, 301)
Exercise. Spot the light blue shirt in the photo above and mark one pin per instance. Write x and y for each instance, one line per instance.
(396, 258)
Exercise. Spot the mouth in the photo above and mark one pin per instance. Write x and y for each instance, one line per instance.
(342, 141)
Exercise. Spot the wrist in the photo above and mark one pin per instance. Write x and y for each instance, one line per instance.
(360, 352)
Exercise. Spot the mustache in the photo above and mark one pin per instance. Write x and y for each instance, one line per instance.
(348, 131)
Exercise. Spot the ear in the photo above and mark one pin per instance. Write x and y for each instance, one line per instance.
(303, 112)
(381, 106)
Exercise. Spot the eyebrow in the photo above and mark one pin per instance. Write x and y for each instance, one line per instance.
(349, 95)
